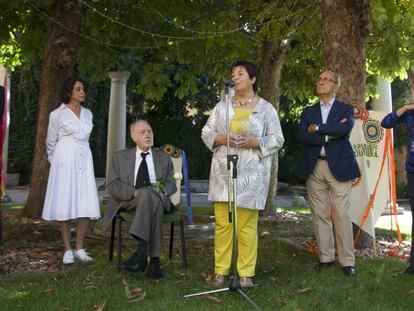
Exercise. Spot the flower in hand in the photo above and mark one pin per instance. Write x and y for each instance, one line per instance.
(161, 184)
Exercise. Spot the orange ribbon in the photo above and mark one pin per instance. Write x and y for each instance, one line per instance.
(388, 150)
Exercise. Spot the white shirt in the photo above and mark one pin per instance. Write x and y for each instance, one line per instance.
(150, 164)
(325, 109)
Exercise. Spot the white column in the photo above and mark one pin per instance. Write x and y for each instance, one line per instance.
(117, 115)
(384, 102)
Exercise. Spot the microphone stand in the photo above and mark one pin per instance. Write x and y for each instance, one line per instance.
(232, 159)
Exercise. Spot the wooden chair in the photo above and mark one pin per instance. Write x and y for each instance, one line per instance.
(121, 216)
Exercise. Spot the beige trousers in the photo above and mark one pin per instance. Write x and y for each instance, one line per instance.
(325, 192)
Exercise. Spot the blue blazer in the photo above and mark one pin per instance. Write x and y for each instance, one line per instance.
(339, 153)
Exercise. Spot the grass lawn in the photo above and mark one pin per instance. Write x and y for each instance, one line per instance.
(285, 274)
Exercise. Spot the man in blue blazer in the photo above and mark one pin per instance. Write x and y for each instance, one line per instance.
(328, 164)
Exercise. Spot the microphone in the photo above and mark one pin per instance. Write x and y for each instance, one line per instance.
(229, 83)
(228, 87)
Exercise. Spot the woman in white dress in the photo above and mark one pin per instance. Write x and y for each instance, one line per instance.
(71, 188)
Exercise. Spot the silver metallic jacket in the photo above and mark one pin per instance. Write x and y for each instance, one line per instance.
(253, 166)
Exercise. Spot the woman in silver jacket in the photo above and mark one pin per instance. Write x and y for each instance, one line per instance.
(255, 134)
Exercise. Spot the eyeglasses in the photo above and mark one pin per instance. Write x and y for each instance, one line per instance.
(326, 80)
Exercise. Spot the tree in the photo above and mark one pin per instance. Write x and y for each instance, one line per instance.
(221, 31)
(273, 56)
(58, 65)
(346, 25)
(186, 49)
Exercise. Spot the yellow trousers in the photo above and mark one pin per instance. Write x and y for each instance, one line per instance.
(247, 240)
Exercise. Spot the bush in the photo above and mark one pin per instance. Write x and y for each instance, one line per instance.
(402, 191)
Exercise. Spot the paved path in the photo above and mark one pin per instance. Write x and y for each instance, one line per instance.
(18, 195)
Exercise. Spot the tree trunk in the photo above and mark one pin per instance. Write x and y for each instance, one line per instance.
(345, 27)
(346, 24)
(273, 56)
(58, 66)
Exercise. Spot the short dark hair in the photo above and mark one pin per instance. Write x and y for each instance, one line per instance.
(68, 88)
(251, 71)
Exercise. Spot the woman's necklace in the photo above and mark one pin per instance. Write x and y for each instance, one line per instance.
(248, 103)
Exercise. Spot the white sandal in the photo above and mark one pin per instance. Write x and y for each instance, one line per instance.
(219, 280)
(246, 282)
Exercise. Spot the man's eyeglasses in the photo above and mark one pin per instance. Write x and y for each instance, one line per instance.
(326, 80)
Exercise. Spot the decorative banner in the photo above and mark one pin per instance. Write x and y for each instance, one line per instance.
(375, 189)
(3, 128)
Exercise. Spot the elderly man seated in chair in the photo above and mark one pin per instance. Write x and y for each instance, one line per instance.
(140, 180)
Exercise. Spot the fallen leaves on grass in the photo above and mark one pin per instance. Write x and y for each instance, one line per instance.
(180, 282)
(134, 295)
(91, 287)
(283, 302)
(264, 234)
(304, 290)
(88, 282)
(212, 298)
(100, 307)
(207, 277)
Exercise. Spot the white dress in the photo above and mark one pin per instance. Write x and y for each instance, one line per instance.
(71, 189)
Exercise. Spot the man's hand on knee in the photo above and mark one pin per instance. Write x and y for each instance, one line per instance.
(136, 192)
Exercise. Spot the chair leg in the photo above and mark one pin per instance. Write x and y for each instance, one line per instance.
(112, 240)
(171, 240)
(183, 242)
(119, 241)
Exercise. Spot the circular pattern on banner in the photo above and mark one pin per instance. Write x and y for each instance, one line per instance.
(373, 131)
(360, 113)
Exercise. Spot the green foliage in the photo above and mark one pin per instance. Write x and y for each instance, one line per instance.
(154, 88)
(10, 55)
(291, 151)
(186, 136)
(401, 189)
(97, 100)
(23, 110)
(180, 54)
(401, 95)
(23, 33)
(390, 48)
